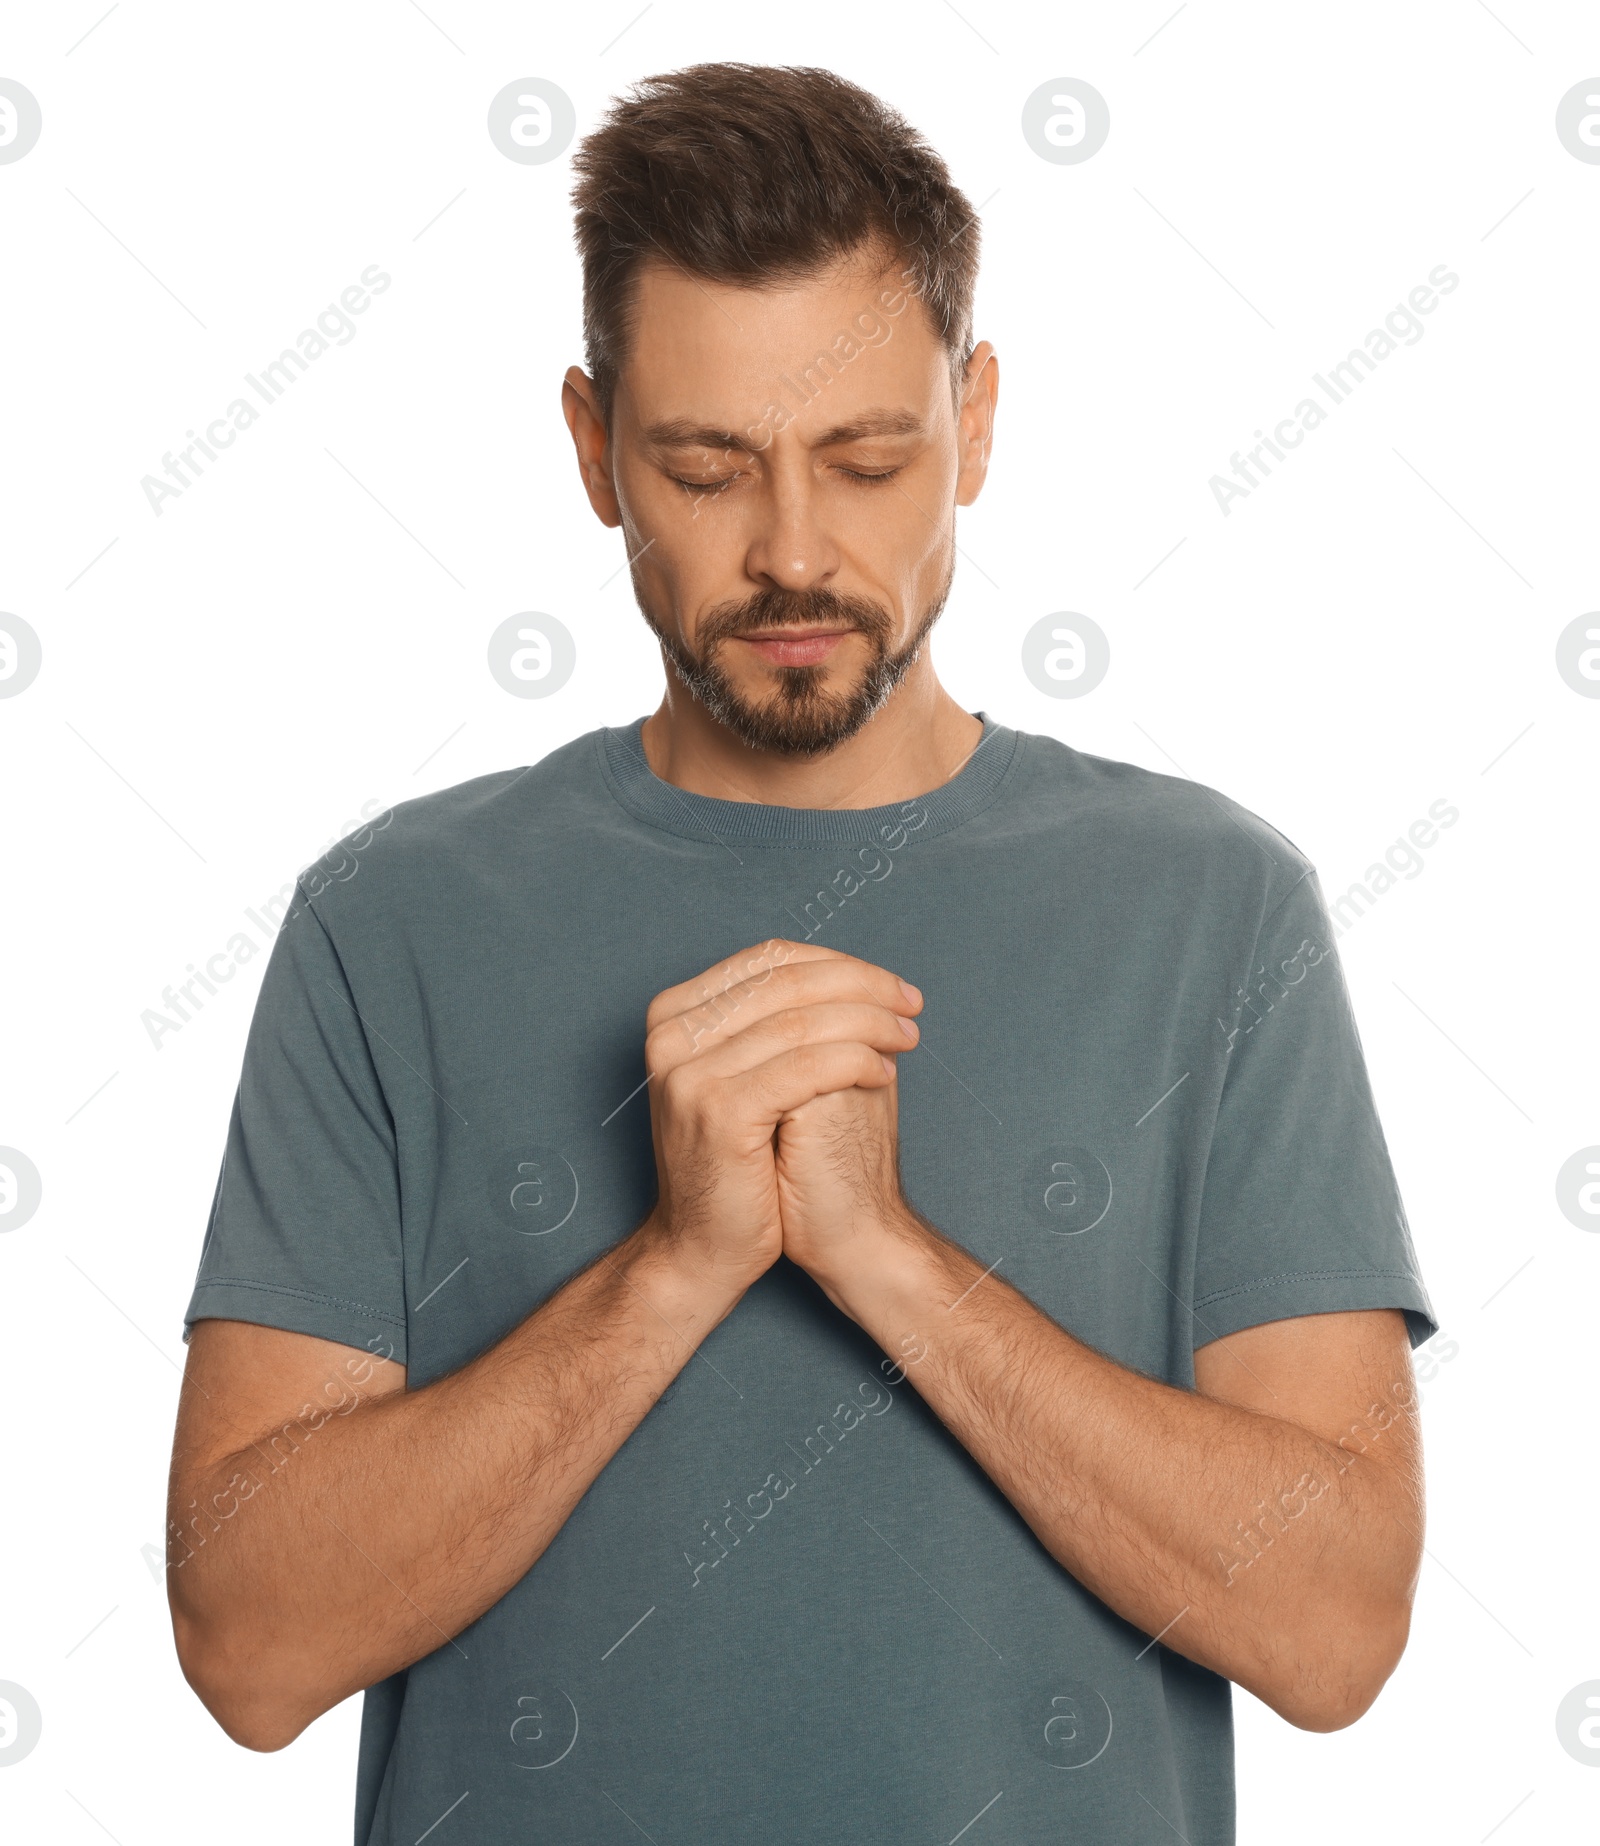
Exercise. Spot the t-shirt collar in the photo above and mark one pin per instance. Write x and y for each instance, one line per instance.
(709, 817)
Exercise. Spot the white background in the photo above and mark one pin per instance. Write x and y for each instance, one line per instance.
(1369, 632)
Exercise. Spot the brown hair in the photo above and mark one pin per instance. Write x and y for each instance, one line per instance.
(752, 173)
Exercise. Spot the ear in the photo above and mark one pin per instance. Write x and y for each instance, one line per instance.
(975, 422)
(581, 408)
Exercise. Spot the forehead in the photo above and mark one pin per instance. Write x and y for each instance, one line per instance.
(721, 352)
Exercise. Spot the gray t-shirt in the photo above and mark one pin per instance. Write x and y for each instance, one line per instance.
(793, 1608)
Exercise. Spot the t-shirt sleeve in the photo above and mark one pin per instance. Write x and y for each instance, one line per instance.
(1300, 1212)
(305, 1230)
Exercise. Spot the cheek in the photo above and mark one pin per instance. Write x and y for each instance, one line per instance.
(673, 531)
(924, 557)
(653, 505)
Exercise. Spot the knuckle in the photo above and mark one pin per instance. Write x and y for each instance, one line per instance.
(699, 1023)
(764, 961)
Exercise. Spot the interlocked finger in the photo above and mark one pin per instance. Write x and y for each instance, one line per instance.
(697, 1017)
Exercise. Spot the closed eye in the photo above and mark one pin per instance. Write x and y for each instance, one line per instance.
(703, 487)
(850, 474)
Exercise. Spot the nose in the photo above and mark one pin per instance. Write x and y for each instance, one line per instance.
(790, 547)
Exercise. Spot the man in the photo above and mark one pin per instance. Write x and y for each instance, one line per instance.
(814, 1267)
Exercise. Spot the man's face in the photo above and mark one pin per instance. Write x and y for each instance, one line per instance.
(785, 462)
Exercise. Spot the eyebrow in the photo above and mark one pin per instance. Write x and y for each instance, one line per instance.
(679, 432)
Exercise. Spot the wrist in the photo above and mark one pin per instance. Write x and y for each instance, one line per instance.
(877, 1275)
(693, 1285)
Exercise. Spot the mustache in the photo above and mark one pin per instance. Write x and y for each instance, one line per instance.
(780, 608)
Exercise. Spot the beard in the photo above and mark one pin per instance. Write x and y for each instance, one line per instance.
(801, 716)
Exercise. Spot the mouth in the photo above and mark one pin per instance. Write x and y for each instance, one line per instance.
(802, 647)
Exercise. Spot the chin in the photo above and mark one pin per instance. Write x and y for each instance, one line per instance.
(806, 716)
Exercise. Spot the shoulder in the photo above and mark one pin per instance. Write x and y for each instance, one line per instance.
(1148, 829)
(416, 848)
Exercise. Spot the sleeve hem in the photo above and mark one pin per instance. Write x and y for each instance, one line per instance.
(1314, 1291)
(295, 1310)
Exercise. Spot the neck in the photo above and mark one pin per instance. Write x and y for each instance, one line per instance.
(915, 743)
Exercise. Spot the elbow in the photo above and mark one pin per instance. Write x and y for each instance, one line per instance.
(235, 1683)
(1326, 1708)
(251, 1729)
(1335, 1681)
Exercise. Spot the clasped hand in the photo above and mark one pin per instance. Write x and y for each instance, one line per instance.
(774, 1109)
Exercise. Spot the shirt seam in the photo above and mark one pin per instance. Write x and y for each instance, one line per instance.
(348, 997)
(1261, 927)
(708, 838)
(1307, 1275)
(301, 1294)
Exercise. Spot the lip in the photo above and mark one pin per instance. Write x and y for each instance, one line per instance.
(801, 647)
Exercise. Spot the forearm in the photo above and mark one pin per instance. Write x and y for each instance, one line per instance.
(1277, 1557)
(354, 1551)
